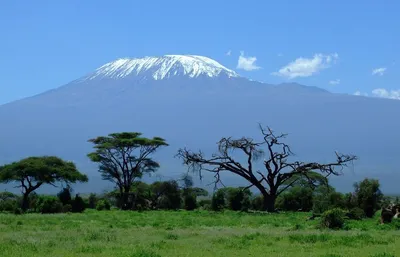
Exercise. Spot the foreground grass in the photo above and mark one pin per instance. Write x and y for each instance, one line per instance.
(181, 233)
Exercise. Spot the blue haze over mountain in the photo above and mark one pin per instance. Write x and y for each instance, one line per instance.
(193, 101)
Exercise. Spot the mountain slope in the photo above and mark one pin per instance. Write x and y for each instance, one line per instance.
(195, 107)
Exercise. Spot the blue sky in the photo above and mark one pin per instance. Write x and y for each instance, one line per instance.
(334, 45)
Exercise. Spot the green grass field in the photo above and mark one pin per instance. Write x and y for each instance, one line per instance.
(198, 233)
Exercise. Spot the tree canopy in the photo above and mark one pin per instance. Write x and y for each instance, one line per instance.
(124, 157)
(32, 172)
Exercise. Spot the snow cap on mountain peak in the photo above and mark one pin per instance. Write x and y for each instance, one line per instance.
(163, 67)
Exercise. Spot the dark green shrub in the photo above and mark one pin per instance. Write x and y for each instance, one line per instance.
(356, 214)
(67, 208)
(92, 201)
(369, 196)
(204, 204)
(238, 199)
(190, 202)
(78, 205)
(350, 201)
(103, 205)
(65, 196)
(326, 198)
(333, 219)
(49, 204)
(218, 201)
(18, 211)
(167, 195)
(257, 203)
(296, 198)
(8, 205)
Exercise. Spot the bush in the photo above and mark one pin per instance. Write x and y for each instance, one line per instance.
(78, 205)
(49, 204)
(8, 202)
(204, 202)
(169, 195)
(92, 201)
(333, 219)
(257, 203)
(350, 201)
(65, 196)
(190, 202)
(8, 205)
(103, 205)
(18, 211)
(218, 201)
(67, 208)
(356, 214)
(326, 198)
(295, 199)
(368, 196)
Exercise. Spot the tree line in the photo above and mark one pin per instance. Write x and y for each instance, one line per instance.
(124, 158)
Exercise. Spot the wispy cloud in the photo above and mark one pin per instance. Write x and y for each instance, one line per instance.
(228, 53)
(359, 93)
(335, 82)
(306, 67)
(247, 63)
(384, 93)
(379, 71)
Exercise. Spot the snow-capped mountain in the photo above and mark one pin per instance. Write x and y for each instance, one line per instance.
(163, 67)
(193, 101)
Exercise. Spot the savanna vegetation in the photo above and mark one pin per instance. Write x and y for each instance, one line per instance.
(288, 207)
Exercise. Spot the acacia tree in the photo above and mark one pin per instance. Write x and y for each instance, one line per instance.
(32, 172)
(279, 173)
(124, 157)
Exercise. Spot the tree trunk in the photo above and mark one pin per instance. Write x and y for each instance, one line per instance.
(269, 203)
(25, 202)
(126, 199)
(121, 198)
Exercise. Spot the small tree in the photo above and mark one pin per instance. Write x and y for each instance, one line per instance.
(8, 201)
(32, 172)
(238, 198)
(124, 157)
(190, 202)
(65, 195)
(78, 205)
(92, 201)
(296, 198)
(326, 198)
(333, 219)
(218, 201)
(278, 169)
(142, 194)
(166, 195)
(369, 196)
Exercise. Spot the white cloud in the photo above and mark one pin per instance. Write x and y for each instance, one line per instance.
(359, 93)
(280, 55)
(383, 93)
(228, 53)
(306, 67)
(335, 82)
(247, 62)
(379, 71)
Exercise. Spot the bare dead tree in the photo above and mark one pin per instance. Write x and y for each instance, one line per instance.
(279, 173)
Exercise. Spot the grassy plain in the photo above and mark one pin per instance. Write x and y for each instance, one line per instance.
(198, 233)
